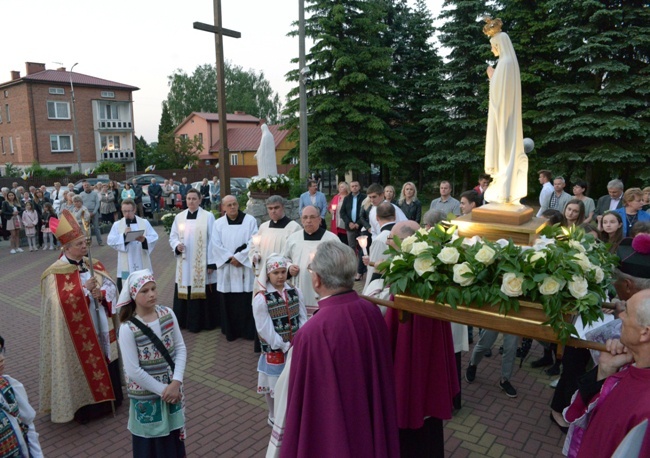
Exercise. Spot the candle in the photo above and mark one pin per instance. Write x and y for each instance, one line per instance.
(363, 243)
(333, 207)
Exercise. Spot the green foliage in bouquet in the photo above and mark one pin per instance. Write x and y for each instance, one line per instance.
(568, 273)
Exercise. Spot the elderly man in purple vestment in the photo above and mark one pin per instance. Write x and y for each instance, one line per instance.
(426, 378)
(341, 393)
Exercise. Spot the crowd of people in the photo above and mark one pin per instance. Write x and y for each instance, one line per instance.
(289, 288)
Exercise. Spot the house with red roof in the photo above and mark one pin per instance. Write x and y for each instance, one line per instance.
(65, 120)
(244, 136)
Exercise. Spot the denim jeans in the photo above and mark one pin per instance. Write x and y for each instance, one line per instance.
(485, 343)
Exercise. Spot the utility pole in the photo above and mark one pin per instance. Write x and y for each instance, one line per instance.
(303, 73)
(219, 32)
(74, 120)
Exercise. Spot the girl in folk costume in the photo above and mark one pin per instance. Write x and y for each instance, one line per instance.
(279, 311)
(18, 437)
(11, 210)
(30, 220)
(48, 212)
(154, 357)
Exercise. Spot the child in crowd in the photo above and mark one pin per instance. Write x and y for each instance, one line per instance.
(610, 229)
(30, 220)
(18, 437)
(154, 370)
(48, 237)
(279, 311)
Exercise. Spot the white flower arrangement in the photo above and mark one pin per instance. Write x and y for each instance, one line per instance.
(568, 272)
(270, 183)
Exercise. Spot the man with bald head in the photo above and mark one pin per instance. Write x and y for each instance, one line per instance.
(229, 244)
(614, 397)
(425, 379)
(386, 220)
(300, 250)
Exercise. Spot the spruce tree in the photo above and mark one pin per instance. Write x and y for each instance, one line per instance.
(347, 103)
(456, 124)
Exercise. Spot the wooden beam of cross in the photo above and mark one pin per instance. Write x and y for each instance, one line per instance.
(219, 32)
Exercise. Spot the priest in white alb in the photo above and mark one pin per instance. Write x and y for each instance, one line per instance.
(230, 245)
(132, 255)
(195, 295)
(300, 250)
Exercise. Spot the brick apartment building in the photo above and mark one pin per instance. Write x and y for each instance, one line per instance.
(37, 120)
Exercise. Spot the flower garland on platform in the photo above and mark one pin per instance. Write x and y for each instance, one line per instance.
(567, 271)
(271, 183)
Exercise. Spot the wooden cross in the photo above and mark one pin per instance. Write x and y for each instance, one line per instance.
(219, 32)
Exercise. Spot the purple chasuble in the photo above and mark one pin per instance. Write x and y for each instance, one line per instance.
(341, 400)
(425, 369)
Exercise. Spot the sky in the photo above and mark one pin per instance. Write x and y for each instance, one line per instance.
(142, 42)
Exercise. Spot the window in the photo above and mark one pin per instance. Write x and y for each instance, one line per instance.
(234, 159)
(201, 137)
(58, 110)
(11, 145)
(108, 94)
(110, 142)
(57, 90)
(294, 161)
(7, 110)
(6, 94)
(108, 111)
(2, 144)
(184, 136)
(61, 143)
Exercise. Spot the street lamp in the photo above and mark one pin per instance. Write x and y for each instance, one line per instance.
(74, 120)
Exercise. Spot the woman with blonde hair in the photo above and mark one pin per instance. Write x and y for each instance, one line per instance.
(632, 212)
(409, 203)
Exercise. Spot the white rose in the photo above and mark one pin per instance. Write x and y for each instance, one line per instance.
(511, 285)
(550, 286)
(423, 265)
(577, 246)
(396, 258)
(537, 255)
(486, 255)
(459, 270)
(471, 241)
(583, 261)
(578, 287)
(600, 275)
(419, 247)
(449, 255)
(407, 243)
(423, 231)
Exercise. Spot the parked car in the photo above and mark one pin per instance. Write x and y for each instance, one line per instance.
(145, 179)
(78, 186)
(239, 184)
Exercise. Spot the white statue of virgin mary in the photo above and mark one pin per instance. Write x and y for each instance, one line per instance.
(266, 164)
(505, 159)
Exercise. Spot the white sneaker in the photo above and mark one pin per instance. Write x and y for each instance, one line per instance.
(19, 250)
(13, 252)
(32, 249)
(44, 247)
(51, 247)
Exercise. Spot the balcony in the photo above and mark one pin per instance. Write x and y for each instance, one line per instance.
(113, 124)
(118, 155)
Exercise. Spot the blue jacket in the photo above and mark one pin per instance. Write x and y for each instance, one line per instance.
(642, 216)
(183, 188)
(321, 202)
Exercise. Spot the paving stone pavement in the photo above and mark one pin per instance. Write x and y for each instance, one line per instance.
(225, 416)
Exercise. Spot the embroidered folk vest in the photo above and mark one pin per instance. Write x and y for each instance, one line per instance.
(9, 446)
(151, 361)
(284, 313)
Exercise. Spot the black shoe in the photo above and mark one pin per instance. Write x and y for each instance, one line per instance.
(501, 350)
(554, 369)
(507, 387)
(488, 353)
(470, 373)
(544, 361)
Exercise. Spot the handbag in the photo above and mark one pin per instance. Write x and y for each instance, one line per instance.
(146, 330)
(275, 357)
